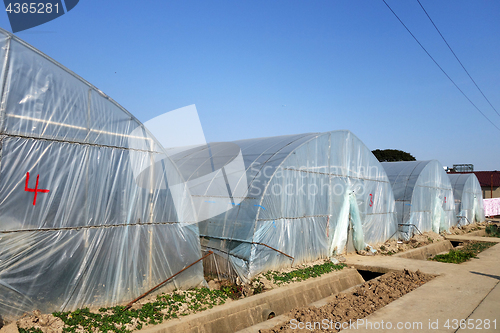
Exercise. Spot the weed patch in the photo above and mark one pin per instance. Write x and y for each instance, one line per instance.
(493, 230)
(30, 330)
(231, 290)
(469, 251)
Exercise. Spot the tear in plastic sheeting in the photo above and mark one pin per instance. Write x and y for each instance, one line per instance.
(423, 194)
(292, 199)
(87, 216)
(438, 220)
(357, 225)
(468, 197)
(340, 233)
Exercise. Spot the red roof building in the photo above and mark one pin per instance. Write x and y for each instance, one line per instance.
(489, 181)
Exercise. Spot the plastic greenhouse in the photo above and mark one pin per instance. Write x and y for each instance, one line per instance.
(468, 197)
(265, 203)
(87, 213)
(423, 194)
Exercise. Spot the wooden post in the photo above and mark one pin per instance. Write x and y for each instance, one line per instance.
(491, 185)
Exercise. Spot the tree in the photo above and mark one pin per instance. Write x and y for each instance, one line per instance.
(392, 155)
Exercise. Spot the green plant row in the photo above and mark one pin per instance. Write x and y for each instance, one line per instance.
(493, 230)
(116, 318)
(468, 252)
(167, 306)
(302, 273)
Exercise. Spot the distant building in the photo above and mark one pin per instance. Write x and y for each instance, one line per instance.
(489, 181)
(463, 167)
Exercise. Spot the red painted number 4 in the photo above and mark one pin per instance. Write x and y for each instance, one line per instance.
(36, 189)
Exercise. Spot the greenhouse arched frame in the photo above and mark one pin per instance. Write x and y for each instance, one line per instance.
(88, 216)
(423, 194)
(294, 198)
(468, 198)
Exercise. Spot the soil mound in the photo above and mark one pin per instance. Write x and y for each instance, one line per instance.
(359, 303)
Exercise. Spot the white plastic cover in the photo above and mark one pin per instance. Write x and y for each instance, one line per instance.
(491, 206)
(299, 191)
(423, 194)
(86, 214)
(468, 197)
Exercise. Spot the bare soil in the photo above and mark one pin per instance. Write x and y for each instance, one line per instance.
(358, 303)
(468, 228)
(46, 322)
(394, 246)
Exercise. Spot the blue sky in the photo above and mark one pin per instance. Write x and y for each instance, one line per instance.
(264, 68)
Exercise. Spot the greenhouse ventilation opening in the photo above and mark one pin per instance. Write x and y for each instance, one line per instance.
(279, 200)
(468, 198)
(423, 194)
(88, 216)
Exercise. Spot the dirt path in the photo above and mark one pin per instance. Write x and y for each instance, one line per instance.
(359, 303)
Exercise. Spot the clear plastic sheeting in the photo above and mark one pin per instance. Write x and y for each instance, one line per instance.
(358, 237)
(423, 194)
(298, 198)
(468, 197)
(87, 217)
